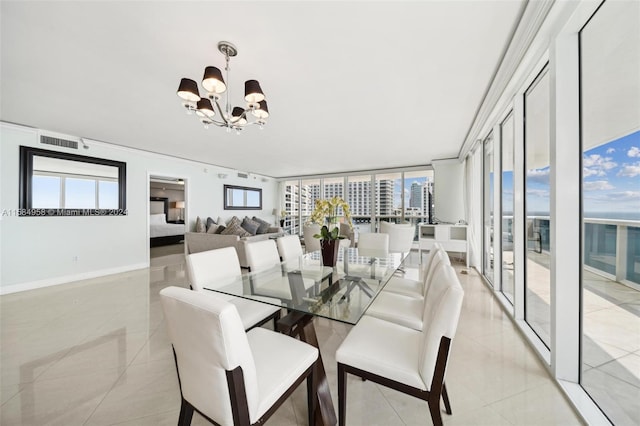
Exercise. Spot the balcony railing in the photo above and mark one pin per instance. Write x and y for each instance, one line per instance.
(611, 247)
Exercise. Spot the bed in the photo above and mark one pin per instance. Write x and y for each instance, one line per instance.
(162, 233)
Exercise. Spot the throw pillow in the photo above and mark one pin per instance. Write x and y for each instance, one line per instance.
(209, 223)
(220, 229)
(250, 226)
(200, 227)
(235, 229)
(234, 221)
(264, 225)
(213, 229)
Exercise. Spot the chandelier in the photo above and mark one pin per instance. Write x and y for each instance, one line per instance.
(236, 118)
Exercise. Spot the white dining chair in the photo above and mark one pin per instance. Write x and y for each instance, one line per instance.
(217, 268)
(263, 256)
(410, 361)
(311, 244)
(400, 236)
(289, 247)
(373, 242)
(411, 287)
(403, 309)
(228, 375)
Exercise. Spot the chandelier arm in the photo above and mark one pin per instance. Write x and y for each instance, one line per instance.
(224, 119)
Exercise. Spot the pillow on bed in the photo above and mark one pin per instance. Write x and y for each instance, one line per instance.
(157, 219)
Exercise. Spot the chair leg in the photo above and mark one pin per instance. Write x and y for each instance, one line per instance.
(312, 397)
(445, 399)
(434, 410)
(186, 413)
(276, 318)
(342, 395)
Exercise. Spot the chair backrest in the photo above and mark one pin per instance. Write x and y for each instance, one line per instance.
(205, 352)
(262, 255)
(373, 241)
(441, 314)
(310, 243)
(349, 233)
(289, 247)
(439, 258)
(213, 267)
(432, 253)
(400, 236)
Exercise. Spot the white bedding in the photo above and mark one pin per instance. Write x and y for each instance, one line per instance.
(165, 230)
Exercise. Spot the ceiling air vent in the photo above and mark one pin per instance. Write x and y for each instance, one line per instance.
(243, 175)
(58, 142)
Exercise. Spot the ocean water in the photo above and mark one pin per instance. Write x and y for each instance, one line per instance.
(599, 215)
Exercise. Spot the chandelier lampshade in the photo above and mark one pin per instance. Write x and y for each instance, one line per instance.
(262, 112)
(188, 90)
(214, 84)
(238, 116)
(212, 80)
(252, 92)
(204, 108)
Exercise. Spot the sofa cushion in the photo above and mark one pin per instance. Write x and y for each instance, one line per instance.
(264, 225)
(200, 226)
(250, 226)
(210, 222)
(220, 229)
(234, 228)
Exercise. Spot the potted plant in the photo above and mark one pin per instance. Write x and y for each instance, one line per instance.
(283, 216)
(326, 214)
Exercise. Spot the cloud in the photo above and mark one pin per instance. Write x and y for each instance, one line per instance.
(597, 185)
(611, 150)
(599, 162)
(634, 152)
(630, 170)
(587, 172)
(538, 193)
(538, 175)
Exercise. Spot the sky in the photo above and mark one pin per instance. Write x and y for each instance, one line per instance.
(611, 181)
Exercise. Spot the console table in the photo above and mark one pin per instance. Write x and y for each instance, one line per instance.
(451, 237)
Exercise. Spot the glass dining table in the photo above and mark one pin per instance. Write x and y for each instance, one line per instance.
(307, 289)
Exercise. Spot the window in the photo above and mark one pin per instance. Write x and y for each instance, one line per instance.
(61, 184)
(610, 287)
(389, 198)
(507, 206)
(487, 264)
(537, 206)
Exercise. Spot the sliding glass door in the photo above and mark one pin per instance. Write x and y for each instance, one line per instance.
(537, 207)
(507, 206)
(488, 173)
(610, 130)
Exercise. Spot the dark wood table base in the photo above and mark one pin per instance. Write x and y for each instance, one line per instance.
(297, 324)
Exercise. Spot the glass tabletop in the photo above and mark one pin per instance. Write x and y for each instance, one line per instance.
(341, 293)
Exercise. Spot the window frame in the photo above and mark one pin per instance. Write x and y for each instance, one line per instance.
(27, 153)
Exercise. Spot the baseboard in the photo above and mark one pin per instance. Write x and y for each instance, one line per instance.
(33, 285)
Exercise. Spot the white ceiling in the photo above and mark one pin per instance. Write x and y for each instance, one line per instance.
(350, 85)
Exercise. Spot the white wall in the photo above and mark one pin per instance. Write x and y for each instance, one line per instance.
(449, 190)
(40, 251)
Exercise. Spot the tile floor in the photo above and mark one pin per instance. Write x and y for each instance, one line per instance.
(96, 352)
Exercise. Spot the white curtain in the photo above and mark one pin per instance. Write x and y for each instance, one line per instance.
(473, 205)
